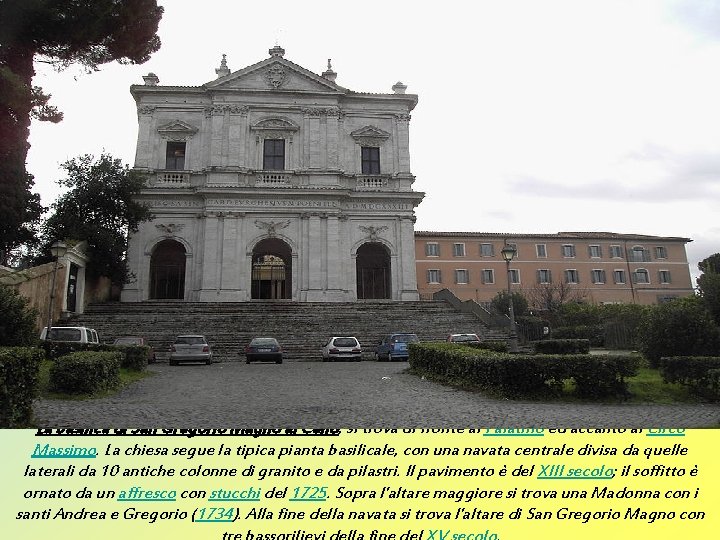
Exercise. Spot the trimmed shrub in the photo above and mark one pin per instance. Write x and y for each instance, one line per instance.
(56, 349)
(700, 373)
(682, 327)
(85, 372)
(135, 357)
(495, 345)
(593, 333)
(19, 368)
(563, 346)
(598, 376)
(17, 319)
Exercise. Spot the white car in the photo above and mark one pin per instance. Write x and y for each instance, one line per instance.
(342, 348)
(463, 338)
(71, 334)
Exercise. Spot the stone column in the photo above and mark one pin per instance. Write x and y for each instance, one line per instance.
(402, 122)
(210, 268)
(331, 140)
(315, 256)
(216, 138)
(406, 250)
(143, 152)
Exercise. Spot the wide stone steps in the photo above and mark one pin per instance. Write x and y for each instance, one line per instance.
(302, 328)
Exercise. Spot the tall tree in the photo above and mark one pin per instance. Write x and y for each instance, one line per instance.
(61, 32)
(709, 284)
(99, 207)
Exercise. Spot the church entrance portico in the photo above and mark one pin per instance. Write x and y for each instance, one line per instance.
(373, 272)
(271, 270)
(167, 271)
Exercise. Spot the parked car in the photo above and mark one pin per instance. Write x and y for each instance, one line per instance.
(264, 348)
(136, 341)
(190, 348)
(72, 334)
(394, 347)
(463, 338)
(342, 348)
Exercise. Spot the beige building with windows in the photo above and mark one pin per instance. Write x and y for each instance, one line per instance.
(597, 267)
(274, 182)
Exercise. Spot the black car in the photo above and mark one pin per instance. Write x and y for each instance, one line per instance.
(264, 348)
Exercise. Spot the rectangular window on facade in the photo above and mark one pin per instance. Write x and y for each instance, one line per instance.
(488, 277)
(175, 156)
(432, 249)
(544, 276)
(616, 252)
(514, 276)
(433, 276)
(664, 276)
(661, 252)
(541, 251)
(619, 276)
(461, 277)
(370, 159)
(487, 250)
(274, 154)
(598, 276)
(572, 276)
(639, 254)
(641, 276)
(458, 250)
(595, 252)
(568, 250)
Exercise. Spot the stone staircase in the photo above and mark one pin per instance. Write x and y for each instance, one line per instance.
(302, 328)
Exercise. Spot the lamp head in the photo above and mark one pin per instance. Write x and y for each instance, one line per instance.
(58, 249)
(508, 252)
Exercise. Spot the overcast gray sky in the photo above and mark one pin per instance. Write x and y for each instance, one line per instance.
(534, 116)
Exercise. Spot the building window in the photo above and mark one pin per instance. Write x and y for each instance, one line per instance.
(664, 276)
(641, 276)
(458, 250)
(461, 277)
(514, 276)
(370, 159)
(488, 277)
(568, 250)
(432, 249)
(572, 276)
(433, 276)
(274, 154)
(661, 252)
(639, 254)
(544, 276)
(616, 252)
(487, 250)
(598, 276)
(619, 277)
(595, 252)
(175, 156)
(541, 251)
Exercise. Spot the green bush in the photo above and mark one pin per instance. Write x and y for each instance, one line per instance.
(682, 327)
(135, 357)
(593, 333)
(56, 349)
(525, 375)
(85, 372)
(17, 320)
(496, 345)
(19, 367)
(563, 346)
(700, 373)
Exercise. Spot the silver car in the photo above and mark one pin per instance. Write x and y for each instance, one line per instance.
(190, 348)
(342, 348)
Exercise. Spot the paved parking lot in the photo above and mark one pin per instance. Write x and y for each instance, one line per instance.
(353, 395)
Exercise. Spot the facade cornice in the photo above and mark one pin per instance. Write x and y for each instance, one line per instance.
(599, 236)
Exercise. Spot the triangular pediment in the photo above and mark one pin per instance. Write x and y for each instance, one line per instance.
(275, 123)
(370, 131)
(177, 128)
(275, 74)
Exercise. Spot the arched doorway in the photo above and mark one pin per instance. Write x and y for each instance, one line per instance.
(271, 270)
(167, 271)
(373, 271)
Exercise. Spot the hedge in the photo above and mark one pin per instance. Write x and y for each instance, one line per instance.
(563, 346)
(134, 357)
(595, 333)
(700, 373)
(19, 368)
(85, 372)
(525, 375)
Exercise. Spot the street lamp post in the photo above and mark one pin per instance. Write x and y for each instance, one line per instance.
(58, 249)
(508, 253)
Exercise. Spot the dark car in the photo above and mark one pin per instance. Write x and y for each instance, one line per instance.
(136, 341)
(395, 347)
(264, 348)
(190, 348)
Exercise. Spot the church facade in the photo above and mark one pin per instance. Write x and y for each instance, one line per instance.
(273, 182)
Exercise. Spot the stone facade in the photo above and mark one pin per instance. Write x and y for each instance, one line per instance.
(273, 182)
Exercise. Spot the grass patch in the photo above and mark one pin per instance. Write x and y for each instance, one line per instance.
(127, 377)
